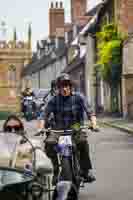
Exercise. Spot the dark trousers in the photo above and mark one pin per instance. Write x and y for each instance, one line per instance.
(84, 157)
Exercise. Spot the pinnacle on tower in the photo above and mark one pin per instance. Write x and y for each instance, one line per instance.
(56, 4)
(14, 35)
(29, 35)
(52, 5)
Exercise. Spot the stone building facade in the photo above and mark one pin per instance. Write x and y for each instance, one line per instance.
(127, 78)
(124, 17)
(13, 56)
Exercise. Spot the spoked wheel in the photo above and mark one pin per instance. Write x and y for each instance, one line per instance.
(72, 194)
(8, 195)
(67, 188)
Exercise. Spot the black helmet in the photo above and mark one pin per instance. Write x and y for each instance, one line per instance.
(63, 78)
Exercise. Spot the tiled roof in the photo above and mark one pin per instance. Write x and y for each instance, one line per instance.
(74, 64)
(43, 62)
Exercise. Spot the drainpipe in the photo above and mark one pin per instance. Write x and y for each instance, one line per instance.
(39, 81)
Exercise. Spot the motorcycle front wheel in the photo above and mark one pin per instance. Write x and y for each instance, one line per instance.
(72, 194)
(66, 174)
(66, 169)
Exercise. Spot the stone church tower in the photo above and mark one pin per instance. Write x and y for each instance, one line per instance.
(14, 55)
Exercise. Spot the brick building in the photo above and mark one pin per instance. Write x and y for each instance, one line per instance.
(78, 10)
(124, 14)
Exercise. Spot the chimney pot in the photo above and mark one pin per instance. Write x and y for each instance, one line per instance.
(61, 4)
(52, 5)
(56, 4)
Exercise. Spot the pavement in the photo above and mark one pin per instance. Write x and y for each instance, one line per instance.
(120, 123)
(111, 153)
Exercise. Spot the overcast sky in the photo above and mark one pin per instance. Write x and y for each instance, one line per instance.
(19, 13)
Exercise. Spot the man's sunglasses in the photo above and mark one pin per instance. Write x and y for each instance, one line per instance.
(13, 128)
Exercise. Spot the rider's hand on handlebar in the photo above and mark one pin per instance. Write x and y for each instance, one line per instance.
(93, 124)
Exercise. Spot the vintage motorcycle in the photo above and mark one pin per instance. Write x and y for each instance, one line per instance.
(69, 179)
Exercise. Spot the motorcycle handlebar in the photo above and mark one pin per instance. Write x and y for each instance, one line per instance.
(66, 131)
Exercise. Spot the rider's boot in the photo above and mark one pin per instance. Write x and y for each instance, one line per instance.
(55, 178)
(88, 177)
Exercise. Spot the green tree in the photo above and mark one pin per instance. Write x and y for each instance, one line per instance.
(109, 59)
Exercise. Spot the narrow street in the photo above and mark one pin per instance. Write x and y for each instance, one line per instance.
(112, 152)
(112, 157)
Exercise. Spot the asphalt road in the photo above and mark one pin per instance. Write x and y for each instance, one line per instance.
(112, 157)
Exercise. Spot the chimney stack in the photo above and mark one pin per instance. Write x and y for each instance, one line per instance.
(52, 5)
(56, 4)
(56, 18)
(78, 9)
(61, 4)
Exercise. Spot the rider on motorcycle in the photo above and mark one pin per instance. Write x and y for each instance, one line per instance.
(68, 109)
(27, 93)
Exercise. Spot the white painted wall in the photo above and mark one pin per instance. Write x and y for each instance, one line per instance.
(89, 71)
(48, 74)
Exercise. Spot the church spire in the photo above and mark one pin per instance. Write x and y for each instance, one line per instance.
(29, 35)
